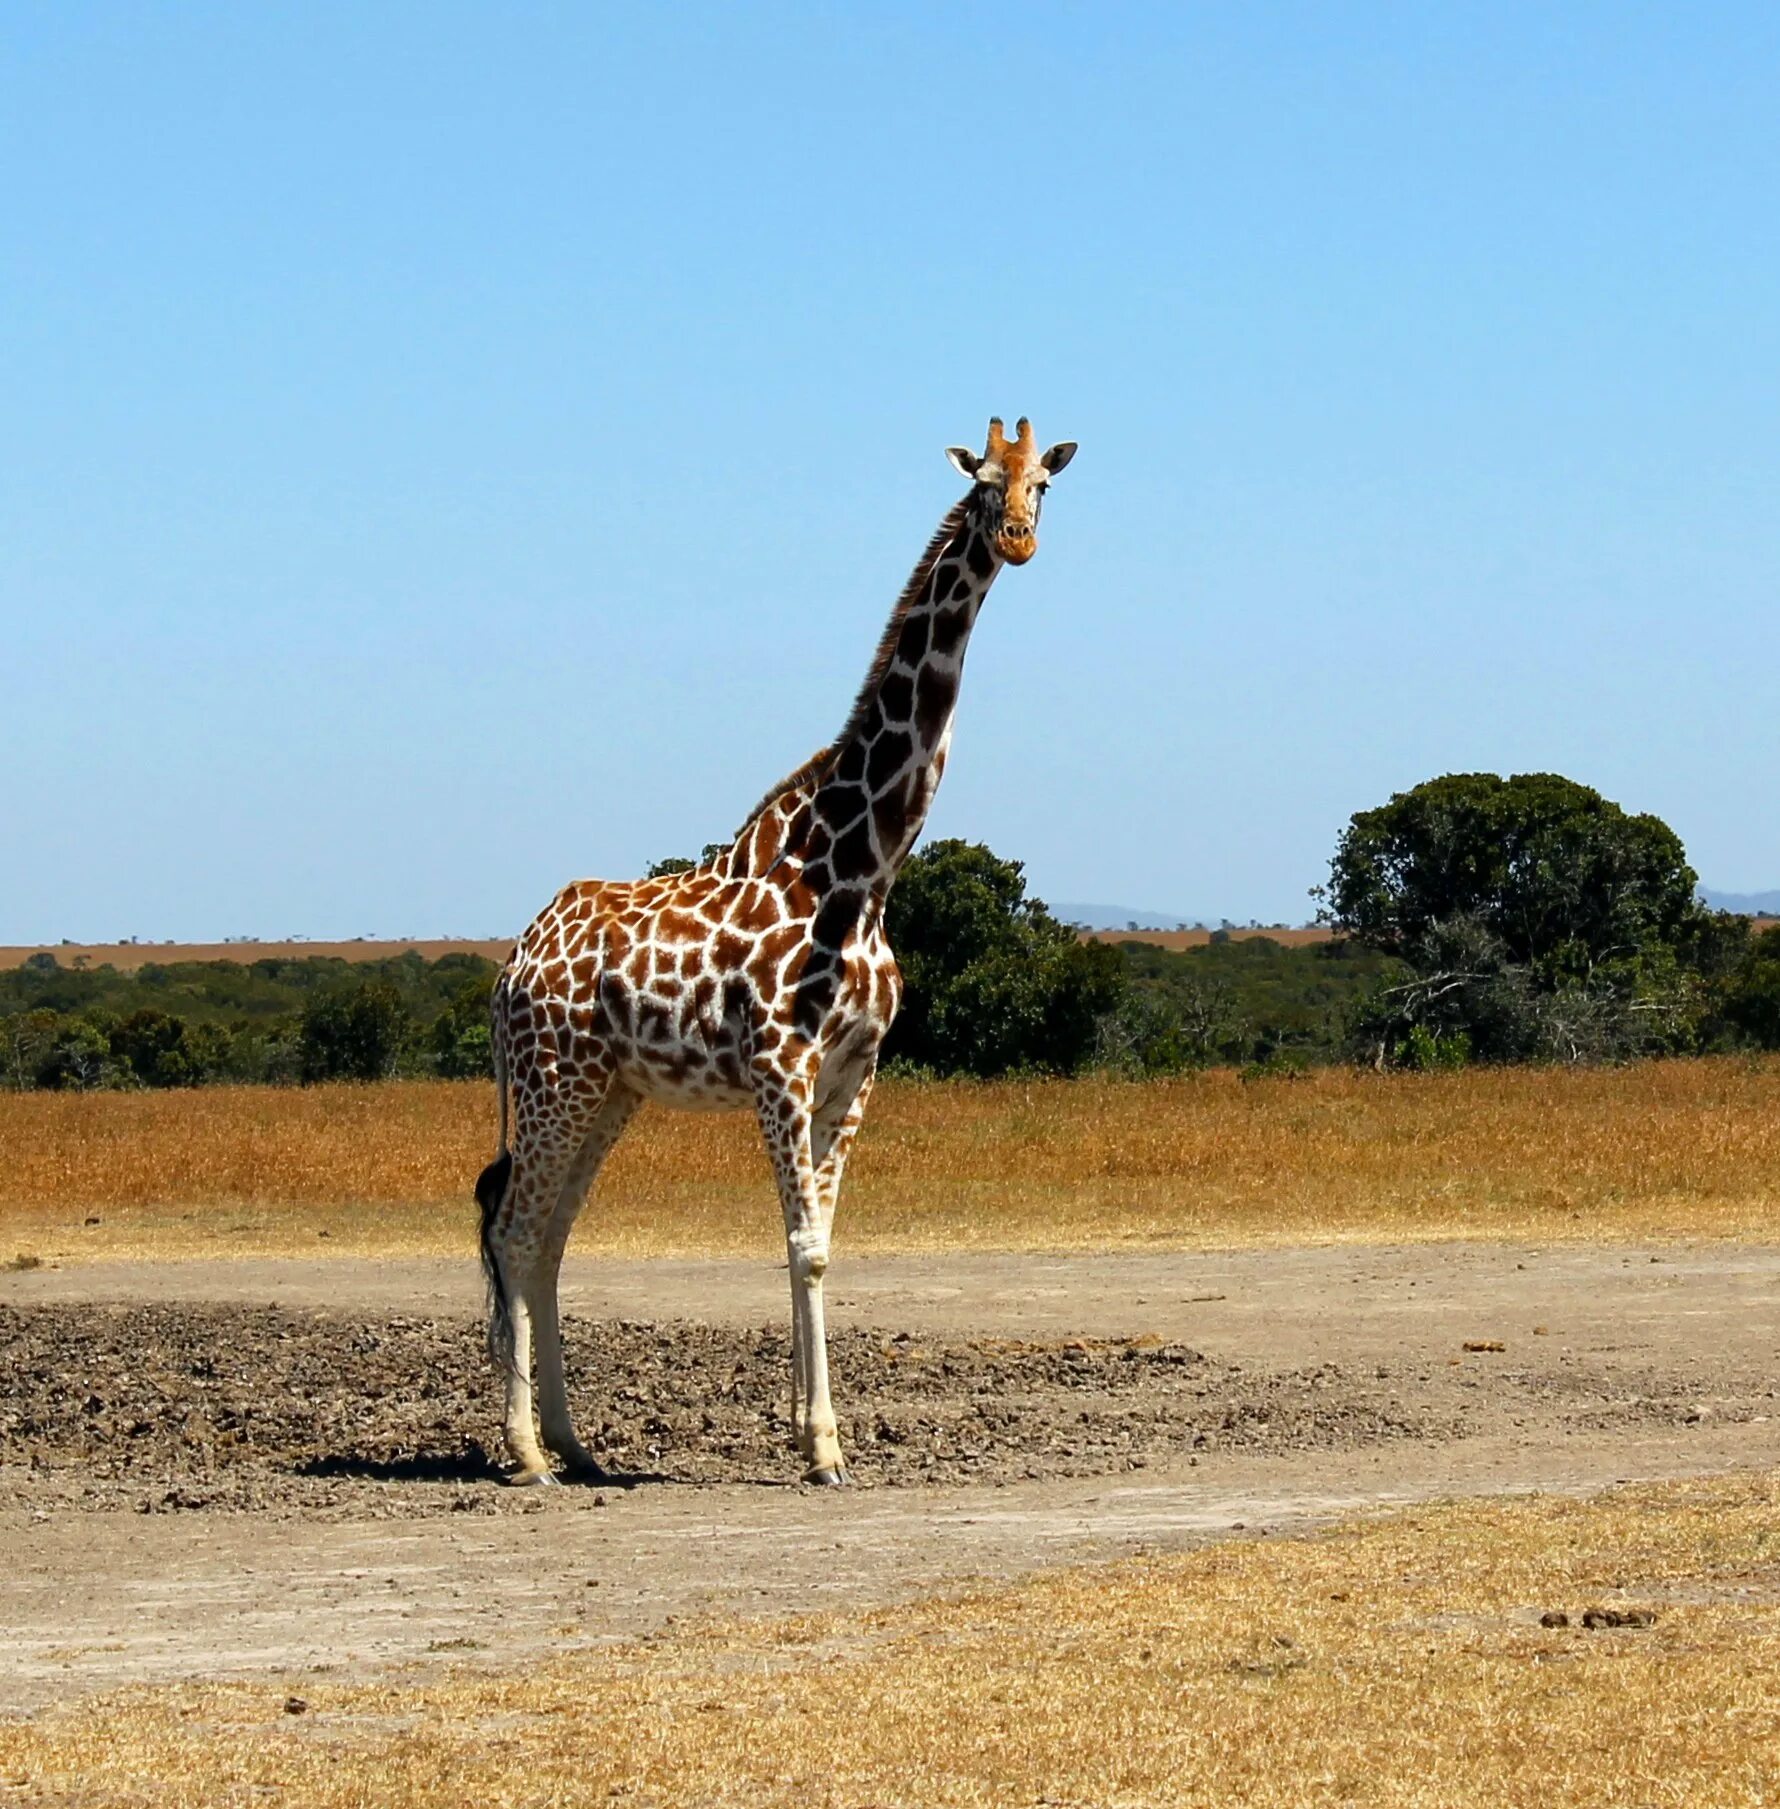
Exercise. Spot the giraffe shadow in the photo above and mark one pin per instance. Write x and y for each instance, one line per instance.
(472, 1465)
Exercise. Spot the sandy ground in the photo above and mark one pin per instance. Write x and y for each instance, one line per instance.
(274, 1467)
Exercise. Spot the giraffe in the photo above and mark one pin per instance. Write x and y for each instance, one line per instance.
(759, 979)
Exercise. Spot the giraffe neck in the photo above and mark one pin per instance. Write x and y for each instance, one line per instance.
(878, 783)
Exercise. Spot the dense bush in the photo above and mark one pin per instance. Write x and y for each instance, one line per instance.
(1238, 1001)
(460, 1038)
(993, 983)
(356, 1033)
(74, 1054)
(164, 1051)
(1751, 995)
(277, 1020)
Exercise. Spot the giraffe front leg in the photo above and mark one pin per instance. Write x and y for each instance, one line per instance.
(818, 1435)
(786, 1119)
(834, 1126)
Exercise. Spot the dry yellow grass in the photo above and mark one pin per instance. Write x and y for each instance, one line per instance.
(1398, 1662)
(1665, 1149)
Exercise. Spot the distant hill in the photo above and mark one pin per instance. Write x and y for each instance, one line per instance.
(127, 957)
(1749, 904)
(1120, 917)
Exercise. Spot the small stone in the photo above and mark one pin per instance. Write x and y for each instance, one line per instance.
(1554, 1617)
(296, 1705)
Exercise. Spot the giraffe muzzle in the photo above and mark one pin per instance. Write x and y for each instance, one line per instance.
(1016, 542)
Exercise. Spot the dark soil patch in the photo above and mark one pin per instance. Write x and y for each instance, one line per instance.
(193, 1407)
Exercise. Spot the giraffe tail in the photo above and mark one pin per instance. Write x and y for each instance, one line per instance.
(491, 1189)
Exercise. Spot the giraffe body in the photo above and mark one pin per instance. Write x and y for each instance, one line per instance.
(761, 979)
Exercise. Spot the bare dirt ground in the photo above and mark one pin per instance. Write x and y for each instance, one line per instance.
(236, 1468)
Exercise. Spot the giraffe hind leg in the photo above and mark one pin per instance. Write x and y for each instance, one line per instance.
(515, 1234)
(509, 1319)
(553, 1408)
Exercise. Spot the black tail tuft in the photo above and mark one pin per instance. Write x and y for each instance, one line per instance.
(491, 1190)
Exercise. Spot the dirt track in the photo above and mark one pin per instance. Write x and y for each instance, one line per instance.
(234, 1467)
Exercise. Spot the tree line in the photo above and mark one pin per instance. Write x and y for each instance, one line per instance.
(275, 1020)
(1473, 919)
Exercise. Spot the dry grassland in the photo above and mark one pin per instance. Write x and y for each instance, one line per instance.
(1178, 940)
(127, 957)
(1661, 1150)
(1399, 1662)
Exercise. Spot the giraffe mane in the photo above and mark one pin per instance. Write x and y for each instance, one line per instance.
(817, 767)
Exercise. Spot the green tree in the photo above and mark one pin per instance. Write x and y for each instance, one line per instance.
(678, 863)
(164, 1051)
(993, 983)
(354, 1033)
(76, 1057)
(263, 1052)
(1752, 1002)
(459, 1038)
(26, 1039)
(1534, 916)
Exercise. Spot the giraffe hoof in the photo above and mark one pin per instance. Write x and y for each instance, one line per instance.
(828, 1476)
(532, 1479)
(587, 1469)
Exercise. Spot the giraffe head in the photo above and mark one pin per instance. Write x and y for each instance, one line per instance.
(1011, 476)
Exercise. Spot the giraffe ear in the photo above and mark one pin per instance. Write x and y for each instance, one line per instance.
(966, 460)
(1058, 456)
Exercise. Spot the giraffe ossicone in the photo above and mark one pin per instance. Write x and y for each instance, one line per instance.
(760, 979)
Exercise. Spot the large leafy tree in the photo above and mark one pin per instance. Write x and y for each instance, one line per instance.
(1563, 878)
(993, 983)
(1535, 916)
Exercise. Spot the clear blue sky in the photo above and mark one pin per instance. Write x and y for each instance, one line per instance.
(450, 449)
